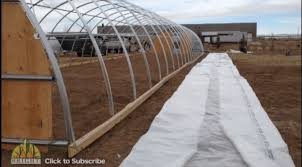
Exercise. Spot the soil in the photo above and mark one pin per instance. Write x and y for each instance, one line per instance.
(89, 107)
(276, 81)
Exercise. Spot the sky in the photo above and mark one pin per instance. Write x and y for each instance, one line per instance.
(272, 16)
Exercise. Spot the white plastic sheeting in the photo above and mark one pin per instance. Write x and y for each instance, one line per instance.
(213, 119)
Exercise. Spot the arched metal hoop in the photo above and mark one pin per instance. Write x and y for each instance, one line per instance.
(119, 19)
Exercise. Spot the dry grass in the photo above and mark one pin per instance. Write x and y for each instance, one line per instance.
(278, 60)
(260, 47)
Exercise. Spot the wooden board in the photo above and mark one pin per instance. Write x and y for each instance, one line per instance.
(26, 105)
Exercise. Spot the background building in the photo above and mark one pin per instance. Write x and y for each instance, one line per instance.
(224, 32)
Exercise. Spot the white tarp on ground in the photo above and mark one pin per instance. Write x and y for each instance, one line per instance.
(214, 119)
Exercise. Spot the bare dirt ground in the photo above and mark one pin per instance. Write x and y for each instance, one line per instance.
(276, 81)
(89, 108)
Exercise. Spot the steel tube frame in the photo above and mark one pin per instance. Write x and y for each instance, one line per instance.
(140, 45)
(100, 57)
(149, 23)
(198, 39)
(26, 77)
(124, 49)
(37, 142)
(152, 44)
(184, 44)
(179, 44)
(94, 8)
(181, 50)
(137, 7)
(149, 12)
(162, 48)
(145, 17)
(151, 41)
(184, 41)
(57, 73)
(85, 12)
(75, 22)
(169, 47)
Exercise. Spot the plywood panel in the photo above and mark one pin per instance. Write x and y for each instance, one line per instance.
(26, 105)
(21, 52)
(26, 109)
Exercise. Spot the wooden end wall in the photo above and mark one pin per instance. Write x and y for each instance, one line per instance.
(26, 105)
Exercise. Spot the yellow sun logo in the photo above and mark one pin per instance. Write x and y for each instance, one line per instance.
(26, 153)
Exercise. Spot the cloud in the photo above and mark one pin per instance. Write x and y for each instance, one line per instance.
(270, 15)
(190, 9)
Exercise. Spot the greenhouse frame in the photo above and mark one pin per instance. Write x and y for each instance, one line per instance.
(96, 28)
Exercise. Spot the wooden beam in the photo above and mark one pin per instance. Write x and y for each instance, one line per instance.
(64, 65)
(77, 63)
(80, 144)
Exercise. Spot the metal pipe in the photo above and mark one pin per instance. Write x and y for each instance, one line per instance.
(124, 49)
(99, 54)
(36, 142)
(152, 44)
(57, 73)
(141, 48)
(26, 77)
